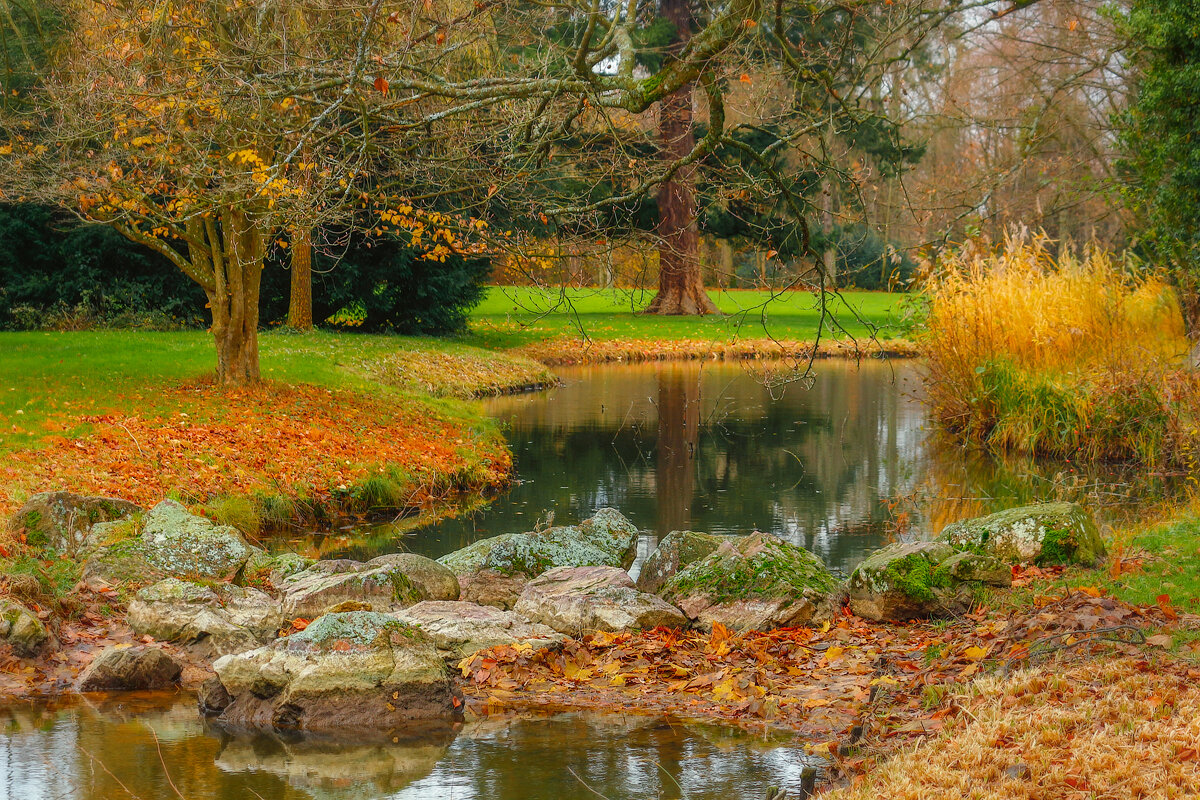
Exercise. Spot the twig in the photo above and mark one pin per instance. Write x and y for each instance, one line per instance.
(163, 761)
(88, 753)
(581, 781)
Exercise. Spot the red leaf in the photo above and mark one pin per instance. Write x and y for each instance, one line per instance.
(381, 85)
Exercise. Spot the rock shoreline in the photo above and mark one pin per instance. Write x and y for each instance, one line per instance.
(289, 644)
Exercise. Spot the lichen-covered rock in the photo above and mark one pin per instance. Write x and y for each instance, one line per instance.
(755, 582)
(263, 568)
(676, 550)
(386, 583)
(921, 579)
(573, 600)
(21, 629)
(184, 545)
(122, 564)
(1046, 533)
(62, 520)
(494, 571)
(358, 669)
(459, 629)
(130, 669)
(223, 618)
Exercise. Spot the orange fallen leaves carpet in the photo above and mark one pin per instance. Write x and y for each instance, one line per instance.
(296, 440)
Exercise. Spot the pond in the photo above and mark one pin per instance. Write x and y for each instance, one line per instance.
(840, 467)
(155, 746)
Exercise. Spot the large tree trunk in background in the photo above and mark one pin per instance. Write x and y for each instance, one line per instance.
(678, 438)
(680, 281)
(300, 313)
(234, 300)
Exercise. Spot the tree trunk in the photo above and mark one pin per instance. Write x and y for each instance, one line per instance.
(234, 300)
(678, 439)
(680, 281)
(300, 313)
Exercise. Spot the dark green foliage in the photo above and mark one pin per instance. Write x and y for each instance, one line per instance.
(1159, 131)
(865, 260)
(380, 284)
(52, 267)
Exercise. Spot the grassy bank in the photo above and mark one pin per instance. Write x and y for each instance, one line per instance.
(343, 421)
(540, 319)
(1075, 357)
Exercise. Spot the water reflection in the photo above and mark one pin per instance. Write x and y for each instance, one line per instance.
(155, 746)
(719, 447)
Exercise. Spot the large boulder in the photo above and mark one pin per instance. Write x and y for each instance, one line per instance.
(21, 628)
(121, 564)
(494, 571)
(223, 618)
(270, 569)
(382, 584)
(184, 545)
(573, 600)
(921, 579)
(62, 521)
(1046, 533)
(459, 629)
(355, 669)
(130, 668)
(755, 582)
(676, 550)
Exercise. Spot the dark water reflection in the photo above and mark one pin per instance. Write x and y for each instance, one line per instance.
(839, 467)
(155, 746)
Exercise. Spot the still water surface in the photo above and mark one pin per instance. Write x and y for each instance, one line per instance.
(155, 747)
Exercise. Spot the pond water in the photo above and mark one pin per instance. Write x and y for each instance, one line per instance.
(839, 467)
(155, 746)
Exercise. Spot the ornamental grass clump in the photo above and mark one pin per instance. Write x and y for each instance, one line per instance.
(1059, 354)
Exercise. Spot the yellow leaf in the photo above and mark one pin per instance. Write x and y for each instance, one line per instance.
(975, 653)
(834, 653)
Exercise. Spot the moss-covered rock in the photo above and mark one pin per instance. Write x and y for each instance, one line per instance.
(1046, 533)
(61, 521)
(270, 569)
(494, 571)
(677, 550)
(21, 629)
(386, 583)
(921, 579)
(184, 545)
(359, 669)
(459, 629)
(123, 564)
(755, 582)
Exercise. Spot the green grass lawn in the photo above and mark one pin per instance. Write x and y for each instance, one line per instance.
(49, 380)
(514, 316)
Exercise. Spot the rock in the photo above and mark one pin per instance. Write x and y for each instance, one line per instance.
(21, 628)
(1047, 533)
(1018, 772)
(185, 545)
(610, 531)
(270, 569)
(224, 618)
(62, 520)
(676, 550)
(920, 579)
(358, 669)
(212, 697)
(577, 599)
(459, 629)
(489, 587)
(123, 564)
(494, 571)
(130, 668)
(386, 583)
(755, 582)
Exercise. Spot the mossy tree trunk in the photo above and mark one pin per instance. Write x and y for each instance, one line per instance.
(300, 313)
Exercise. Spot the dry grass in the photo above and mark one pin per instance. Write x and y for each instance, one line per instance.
(562, 352)
(1114, 728)
(1067, 355)
(446, 372)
